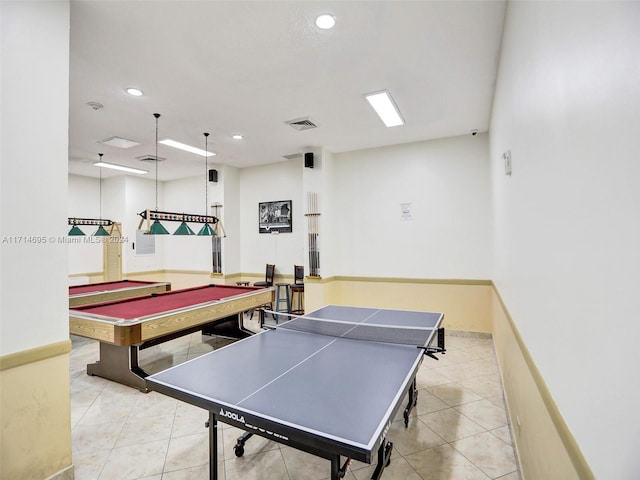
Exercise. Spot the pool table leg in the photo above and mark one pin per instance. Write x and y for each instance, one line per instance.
(119, 364)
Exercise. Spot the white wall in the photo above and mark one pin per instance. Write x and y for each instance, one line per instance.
(33, 174)
(279, 181)
(229, 186)
(567, 105)
(187, 252)
(359, 197)
(140, 194)
(85, 254)
(447, 184)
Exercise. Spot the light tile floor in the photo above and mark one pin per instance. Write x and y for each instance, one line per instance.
(458, 430)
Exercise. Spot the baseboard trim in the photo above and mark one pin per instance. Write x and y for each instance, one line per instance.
(43, 352)
(431, 281)
(65, 474)
(468, 334)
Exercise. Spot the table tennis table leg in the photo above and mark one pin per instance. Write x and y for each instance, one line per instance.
(335, 467)
(213, 447)
(384, 459)
(413, 400)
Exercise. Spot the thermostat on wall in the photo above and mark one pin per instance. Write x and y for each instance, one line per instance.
(507, 162)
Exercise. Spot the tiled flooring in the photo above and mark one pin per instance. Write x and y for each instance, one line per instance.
(458, 430)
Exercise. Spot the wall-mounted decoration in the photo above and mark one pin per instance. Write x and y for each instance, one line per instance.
(275, 217)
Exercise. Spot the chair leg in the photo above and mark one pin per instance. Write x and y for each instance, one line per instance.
(261, 313)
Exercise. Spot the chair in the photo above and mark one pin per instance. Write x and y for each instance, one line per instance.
(297, 290)
(268, 276)
(269, 273)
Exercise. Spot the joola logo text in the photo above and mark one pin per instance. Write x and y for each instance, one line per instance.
(231, 415)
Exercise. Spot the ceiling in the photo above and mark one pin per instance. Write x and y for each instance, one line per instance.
(249, 67)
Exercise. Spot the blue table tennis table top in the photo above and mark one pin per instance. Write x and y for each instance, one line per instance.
(337, 394)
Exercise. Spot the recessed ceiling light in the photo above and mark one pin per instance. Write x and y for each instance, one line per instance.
(119, 142)
(237, 136)
(120, 167)
(136, 92)
(185, 147)
(325, 21)
(385, 107)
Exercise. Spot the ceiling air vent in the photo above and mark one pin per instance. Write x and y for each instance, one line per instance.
(293, 156)
(301, 124)
(150, 158)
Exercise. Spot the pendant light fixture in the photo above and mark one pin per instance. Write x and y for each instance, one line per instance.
(153, 217)
(206, 229)
(156, 227)
(101, 232)
(100, 222)
(75, 231)
(184, 229)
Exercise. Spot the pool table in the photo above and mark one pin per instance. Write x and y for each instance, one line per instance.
(125, 326)
(105, 291)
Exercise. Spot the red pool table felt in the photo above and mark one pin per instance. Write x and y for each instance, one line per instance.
(133, 308)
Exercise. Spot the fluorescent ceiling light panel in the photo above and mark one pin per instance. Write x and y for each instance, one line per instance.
(385, 107)
(119, 142)
(185, 147)
(120, 167)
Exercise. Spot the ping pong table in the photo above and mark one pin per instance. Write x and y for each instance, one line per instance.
(328, 383)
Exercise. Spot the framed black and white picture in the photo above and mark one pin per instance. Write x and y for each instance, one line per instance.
(275, 217)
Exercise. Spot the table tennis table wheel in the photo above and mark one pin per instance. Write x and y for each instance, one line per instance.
(239, 447)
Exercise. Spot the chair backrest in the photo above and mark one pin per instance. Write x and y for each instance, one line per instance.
(269, 274)
(298, 274)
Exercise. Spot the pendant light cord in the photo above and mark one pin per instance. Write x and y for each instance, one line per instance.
(100, 186)
(206, 172)
(157, 115)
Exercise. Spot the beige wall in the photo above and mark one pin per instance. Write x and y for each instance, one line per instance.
(35, 413)
(465, 303)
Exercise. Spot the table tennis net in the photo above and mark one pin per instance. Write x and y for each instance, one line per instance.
(404, 335)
